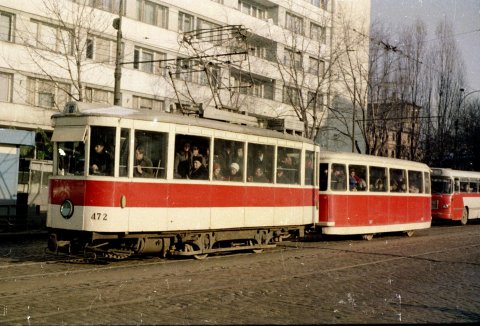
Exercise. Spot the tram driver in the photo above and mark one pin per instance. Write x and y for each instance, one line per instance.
(100, 160)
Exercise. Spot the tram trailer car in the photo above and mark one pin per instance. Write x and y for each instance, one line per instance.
(364, 195)
(455, 195)
(164, 208)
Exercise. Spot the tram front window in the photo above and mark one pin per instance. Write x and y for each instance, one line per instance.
(71, 158)
(441, 185)
(102, 141)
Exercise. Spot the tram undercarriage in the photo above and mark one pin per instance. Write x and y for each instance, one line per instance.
(197, 244)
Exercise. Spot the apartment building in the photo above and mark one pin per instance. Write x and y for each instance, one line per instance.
(261, 58)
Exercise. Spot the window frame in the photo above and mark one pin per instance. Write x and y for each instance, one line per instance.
(10, 28)
(6, 87)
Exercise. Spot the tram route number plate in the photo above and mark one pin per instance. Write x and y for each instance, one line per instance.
(99, 217)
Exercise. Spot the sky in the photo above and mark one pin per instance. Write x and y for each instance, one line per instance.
(463, 14)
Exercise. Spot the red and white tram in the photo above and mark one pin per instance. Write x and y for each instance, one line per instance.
(455, 195)
(199, 187)
(364, 194)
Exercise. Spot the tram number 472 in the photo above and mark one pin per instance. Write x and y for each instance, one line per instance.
(99, 216)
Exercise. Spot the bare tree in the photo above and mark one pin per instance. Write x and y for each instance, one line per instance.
(305, 69)
(60, 49)
(444, 96)
(352, 71)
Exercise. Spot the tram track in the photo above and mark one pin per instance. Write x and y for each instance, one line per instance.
(258, 282)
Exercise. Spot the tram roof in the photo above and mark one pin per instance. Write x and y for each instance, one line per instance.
(447, 172)
(355, 158)
(114, 111)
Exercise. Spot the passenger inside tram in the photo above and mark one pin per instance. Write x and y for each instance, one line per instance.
(143, 167)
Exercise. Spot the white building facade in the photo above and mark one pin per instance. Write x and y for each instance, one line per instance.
(244, 56)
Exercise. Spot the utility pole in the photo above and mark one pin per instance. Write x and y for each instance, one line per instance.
(117, 24)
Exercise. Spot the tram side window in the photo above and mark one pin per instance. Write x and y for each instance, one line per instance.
(192, 156)
(456, 185)
(228, 160)
(124, 151)
(474, 185)
(102, 142)
(71, 158)
(309, 168)
(339, 179)
(288, 165)
(324, 176)
(415, 182)
(464, 187)
(150, 154)
(260, 163)
(378, 179)
(427, 182)
(357, 176)
(398, 180)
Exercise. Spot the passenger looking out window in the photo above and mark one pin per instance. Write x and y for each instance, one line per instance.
(182, 161)
(282, 177)
(217, 172)
(199, 172)
(235, 172)
(143, 166)
(338, 181)
(378, 179)
(357, 178)
(259, 176)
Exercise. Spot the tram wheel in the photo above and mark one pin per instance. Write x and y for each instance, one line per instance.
(464, 216)
(367, 237)
(409, 233)
(193, 247)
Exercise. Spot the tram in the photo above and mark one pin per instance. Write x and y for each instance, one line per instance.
(131, 182)
(455, 195)
(364, 195)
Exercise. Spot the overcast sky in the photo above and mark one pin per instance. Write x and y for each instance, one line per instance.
(463, 14)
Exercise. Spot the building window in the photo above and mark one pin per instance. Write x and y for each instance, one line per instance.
(148, 61)
(258, 51)
(47, 94)
(143, 103)
(316, 67)
(208, 31)
(151, 13)
(251, 9)
(315, 101)
(292, 59)
(6, 81)
(6, 26)
(184, 69)
(253, 85)
(185, 22)
(112, 6)
(294, 23)
(318, 33)
(53, 38)
(95, 95)
(212, 72)
(101, 50)
(291, 95)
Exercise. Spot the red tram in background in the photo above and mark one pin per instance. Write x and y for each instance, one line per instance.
(363, 194)
(455, 195)
(131, 182)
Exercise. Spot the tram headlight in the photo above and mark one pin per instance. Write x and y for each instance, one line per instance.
(445, 206)
(66, 209)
